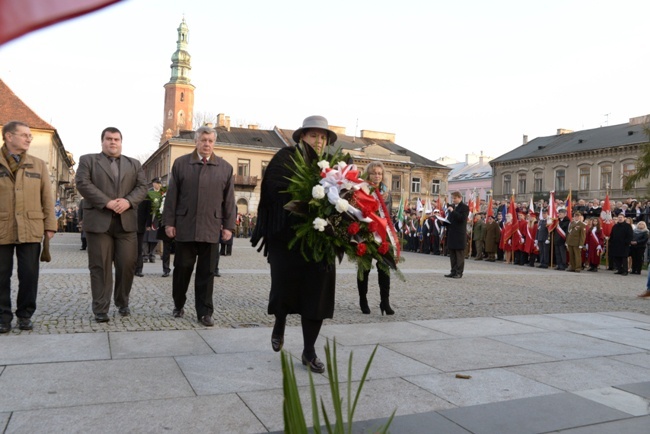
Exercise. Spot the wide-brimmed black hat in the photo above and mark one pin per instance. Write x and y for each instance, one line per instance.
(318, 122)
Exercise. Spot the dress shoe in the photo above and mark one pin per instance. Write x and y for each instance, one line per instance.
(645, 294)
(207, 321)
(125, 311)
(101, 317)
(457, 276)
(152, 261)
(277, 341)
(450, 275)
(216, 274)
(314, 365)
(25, 324)
(139, 274)
(178, 313)
(542, 266)
(5, 327)
(165, 274)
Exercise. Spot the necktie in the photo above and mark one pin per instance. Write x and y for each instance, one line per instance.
(205, 160)
(115, 168)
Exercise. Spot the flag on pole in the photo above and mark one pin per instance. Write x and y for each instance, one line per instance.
(418, 206)
(440, 208)
(568, 206)
(512, 226)
(490, 212)
(606, 221)
(18, 17)
(552, 213)
(400, 211)
(531, 207)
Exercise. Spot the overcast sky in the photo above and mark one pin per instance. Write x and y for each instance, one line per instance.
(447, 77)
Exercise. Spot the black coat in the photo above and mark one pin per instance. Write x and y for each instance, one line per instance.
(297, 286)
(620, 238)
(457, 227)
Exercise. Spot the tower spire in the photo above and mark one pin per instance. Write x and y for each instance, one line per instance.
(179, 91)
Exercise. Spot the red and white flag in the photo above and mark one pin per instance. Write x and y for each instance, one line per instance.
(19, 17)
(606, 221)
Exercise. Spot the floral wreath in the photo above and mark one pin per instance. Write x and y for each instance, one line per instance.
(339, 216)
(157, 199)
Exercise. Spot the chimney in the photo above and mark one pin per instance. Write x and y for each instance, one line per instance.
(227, 123)
(525, 141)
(252, 126)
(561, 131)
(209, 124)
(221, 120)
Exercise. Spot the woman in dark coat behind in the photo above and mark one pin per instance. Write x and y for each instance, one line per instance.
(638, 246)
(297, 286)
(619, 244)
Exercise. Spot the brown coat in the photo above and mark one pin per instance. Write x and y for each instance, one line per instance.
(200, 199)
(577, 234)
(27, 209)
(96, 184)
(492, 237)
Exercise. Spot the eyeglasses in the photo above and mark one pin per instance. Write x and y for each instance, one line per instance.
(23, 135)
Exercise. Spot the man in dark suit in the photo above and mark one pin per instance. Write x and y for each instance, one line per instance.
(457, 234)
(199, 206)
(113, 185)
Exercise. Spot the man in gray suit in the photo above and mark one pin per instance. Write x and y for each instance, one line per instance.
(199, 206)
(112, 185)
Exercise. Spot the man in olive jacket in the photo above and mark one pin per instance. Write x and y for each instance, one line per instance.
(199, 206)
(112, 185)
(26, 216)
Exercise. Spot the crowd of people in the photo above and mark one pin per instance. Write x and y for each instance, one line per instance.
(589, 239)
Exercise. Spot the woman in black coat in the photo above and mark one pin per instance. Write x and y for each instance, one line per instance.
(297, 286)
(619, 244)
(638, 246)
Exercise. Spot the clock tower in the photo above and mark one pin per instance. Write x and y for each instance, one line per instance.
(179, 92)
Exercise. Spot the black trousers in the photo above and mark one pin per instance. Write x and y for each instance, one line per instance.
(166, 253)
(457, 259)
(28, 255)
(184, 259)
(139, 261)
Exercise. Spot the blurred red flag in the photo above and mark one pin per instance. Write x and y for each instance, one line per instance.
(18, 17)
(606, 221)
(489, 209)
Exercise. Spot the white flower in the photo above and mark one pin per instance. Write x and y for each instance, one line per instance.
(342, 165)
(324, 164)
(342, 205)
(318, 192)
(319, 224)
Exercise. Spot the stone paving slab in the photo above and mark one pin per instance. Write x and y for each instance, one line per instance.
(455, 355)
(639, 359)
(386, 363)
(135, 345)
(548, 322)
(251, 339)
(379, 398)
(539, 414)
(476, 327)
(619, 399)
(641, 389)
(222, 413)
(68, 384)
(597, 320)
(54, 348)
(638, 337)
(566, 345)
(583, 374)
(628, 426)
(363, 334)
(484, 386)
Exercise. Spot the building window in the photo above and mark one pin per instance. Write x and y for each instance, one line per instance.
(539, 181)
(415, 185)
(396, 183)
(605, 177)
(628, 169)
(182, 96)
(507, 184)
(585, 172)
(521, 183)
(560, 180)
(265, 164)
(243, 167)
(435, 186)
